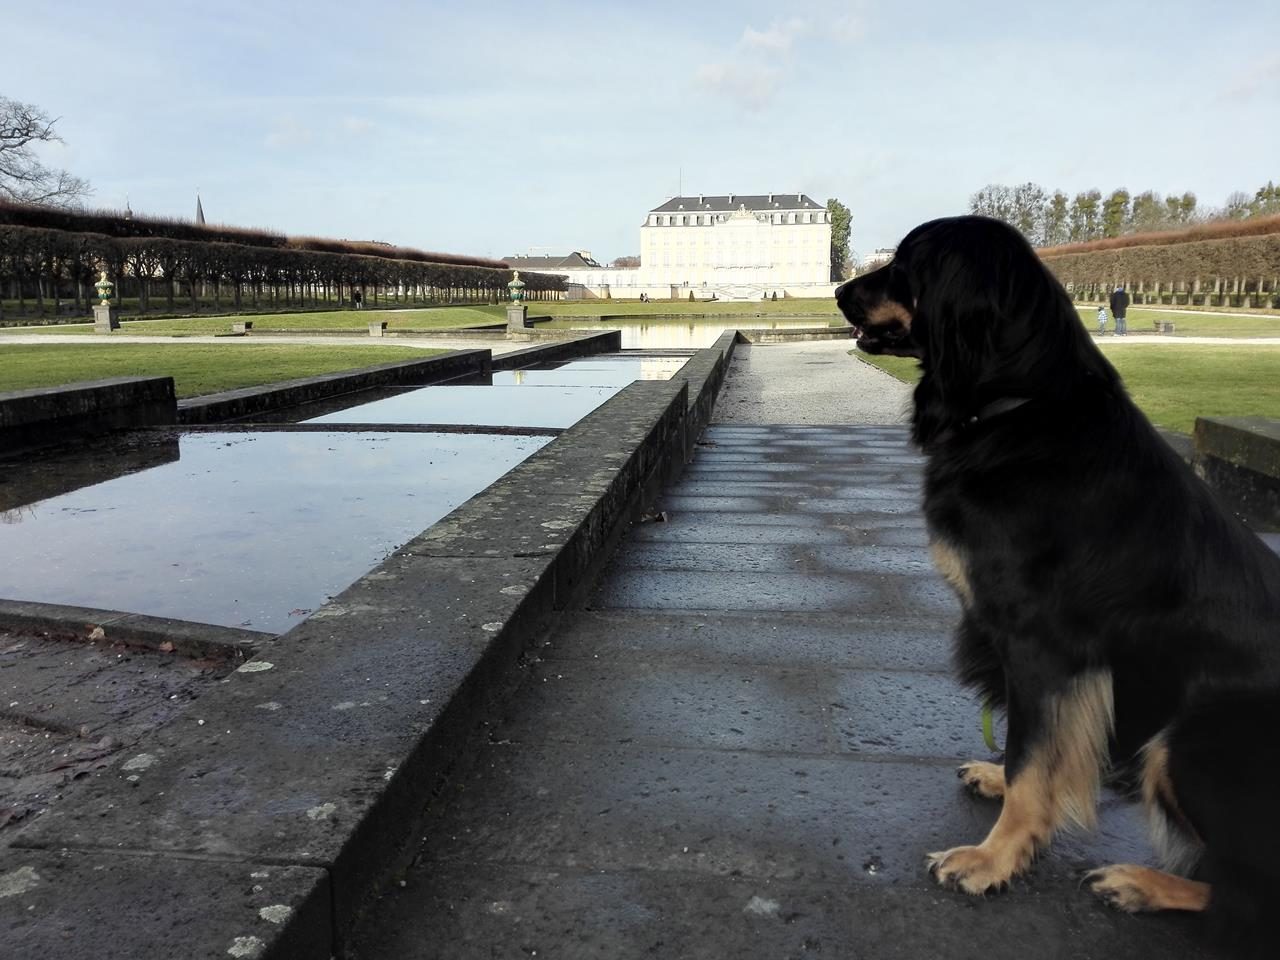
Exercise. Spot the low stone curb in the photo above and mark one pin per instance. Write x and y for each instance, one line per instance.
(48, 415)
(794, 334)
(252, 401)
(318, 757)
(582, 346)
(1240, 458)
(79, 623)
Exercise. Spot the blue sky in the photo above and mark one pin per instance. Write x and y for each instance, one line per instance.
(496, 128)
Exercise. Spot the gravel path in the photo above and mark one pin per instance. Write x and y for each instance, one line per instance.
(809, 382)
(426, 343)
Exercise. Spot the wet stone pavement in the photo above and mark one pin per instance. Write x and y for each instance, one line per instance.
(744, 746)
(70, 705)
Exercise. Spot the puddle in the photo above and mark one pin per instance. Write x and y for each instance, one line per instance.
(510, 406)
(550, 395)
(245, 529)
(257, 528)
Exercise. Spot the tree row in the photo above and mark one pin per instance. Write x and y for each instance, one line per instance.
(1050, 219)
(58, 268)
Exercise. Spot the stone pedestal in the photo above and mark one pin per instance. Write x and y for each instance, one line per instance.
(105, 318)
(378, 328)
(517, 317)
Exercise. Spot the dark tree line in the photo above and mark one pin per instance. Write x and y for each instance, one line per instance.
(57, 268)
(1049, 219)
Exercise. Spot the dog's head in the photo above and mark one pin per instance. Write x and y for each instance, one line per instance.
(969, 297)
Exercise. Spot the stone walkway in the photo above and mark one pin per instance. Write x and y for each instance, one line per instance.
(745, 743)
(809, 382)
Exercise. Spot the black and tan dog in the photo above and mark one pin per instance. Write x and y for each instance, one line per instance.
(1123, 620)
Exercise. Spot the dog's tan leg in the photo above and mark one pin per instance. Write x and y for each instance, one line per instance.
(1026, 823)
(1057, 784)
(1172, 835)
(983, 778)
(950, 562)
(1137, 889)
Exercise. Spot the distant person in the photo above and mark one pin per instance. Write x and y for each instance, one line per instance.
(1102, 320)
(1119, 304)
(358, 298)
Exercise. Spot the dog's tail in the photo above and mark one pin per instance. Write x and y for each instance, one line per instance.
(1224, 764)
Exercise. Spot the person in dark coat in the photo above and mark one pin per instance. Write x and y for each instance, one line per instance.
(1119, 304)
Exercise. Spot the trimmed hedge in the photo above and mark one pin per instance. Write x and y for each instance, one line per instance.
(1235, 264)
(60, 260)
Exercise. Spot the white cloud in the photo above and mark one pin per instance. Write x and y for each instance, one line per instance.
(777, 37)
(287, 134)
(742, 78)
(748, 84)
(356, 125)
(1258, 76)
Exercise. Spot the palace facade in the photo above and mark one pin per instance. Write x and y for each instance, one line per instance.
(727, 247)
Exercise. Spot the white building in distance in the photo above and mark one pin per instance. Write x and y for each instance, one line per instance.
(729, 247)
(874, 261)
(738, 246)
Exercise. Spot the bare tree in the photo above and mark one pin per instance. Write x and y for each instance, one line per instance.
(22, 176)
(1237, 207)
(993, 200)
(1027, 213)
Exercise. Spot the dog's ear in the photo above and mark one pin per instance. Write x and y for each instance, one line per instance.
(955, 319)
(993, 319)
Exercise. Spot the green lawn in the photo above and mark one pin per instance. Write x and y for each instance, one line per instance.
(450, 318)
(1190, 324)
(1174, 384)
(357, 321)
(196, 368)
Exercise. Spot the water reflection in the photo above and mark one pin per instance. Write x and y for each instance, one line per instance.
(64, 469)
(246, 529)
(512, 406)
(679, 333)
(550, 395)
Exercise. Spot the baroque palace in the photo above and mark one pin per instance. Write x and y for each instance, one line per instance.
(729, 247)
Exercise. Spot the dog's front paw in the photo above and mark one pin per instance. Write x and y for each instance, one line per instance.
(975, 870)
(983, 779)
